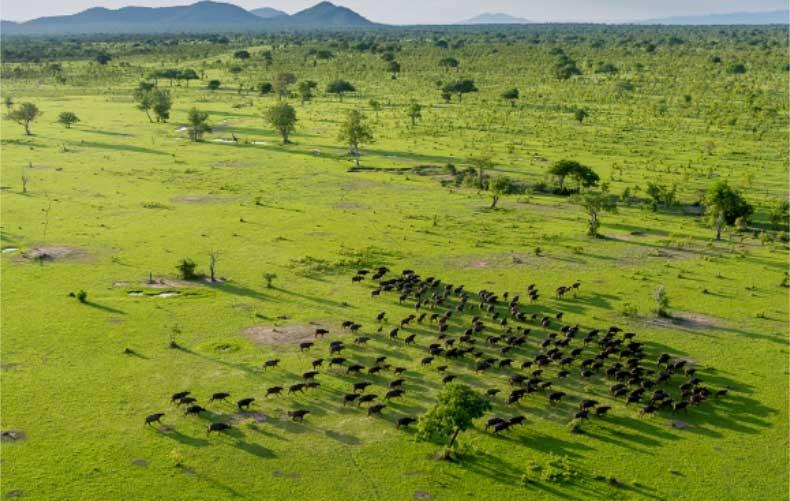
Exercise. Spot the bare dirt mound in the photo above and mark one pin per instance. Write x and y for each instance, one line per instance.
(12, 436)
(688, 320)
(286, 334)
(53, 253)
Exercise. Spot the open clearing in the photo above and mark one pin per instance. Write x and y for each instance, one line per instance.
(115, 199)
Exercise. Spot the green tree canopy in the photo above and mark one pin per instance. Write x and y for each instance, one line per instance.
(282, 117)
(340, 87)
(725, 205)
(354, 132)
(68, 118)
(511, 95)
(198, 124)
(24, 114)
(456, 408)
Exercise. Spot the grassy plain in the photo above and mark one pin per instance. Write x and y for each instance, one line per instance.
(130, 198)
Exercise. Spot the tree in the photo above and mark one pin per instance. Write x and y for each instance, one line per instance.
(161, 102)
(593, 204)
(579, 114)
(499, 186)
(355, 132)
(415, 111)
(511, 95)
(264, 88)
(187, 74)
(241, 54)
(213, 257)
(282, 116)
(67, 118)
(9, 102)
(282, 83)
(340, 87)
(213, 85)
(482, 163)
(198, 124)
(448, 62)
(724, 205)
(186, 269)
(460, 87)
(24, 114)
(394, 68)
(103, 58)
(583, 175)
(456, 408)
(305, 90)
(375, 106)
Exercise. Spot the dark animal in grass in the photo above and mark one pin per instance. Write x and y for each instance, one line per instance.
(426, 361)
(179, 395)
(305, 346)
(680, 406)
(154, 418)
(349, 398)
(218, 427)
(375, 369)
(582, 415)
(356, 368)
(396, 393)
(501, 426)
(380, 317)
(271, 363)
(360, 386)
(399, 370)
(336, 361)
(448, 378)
(274, 390)
(648, 409)
(361, 340)
(219, 396)
(375, 409)
(602, 410)
(194, 409)
(311, 385)
(367, 398)
(556, 397)
(187, 401)
(319, 332)
(517, 420)
(318, 362)
(410, 338)
(587, 404)
(397, 383)
(296, 388)
(299, 414)
(394, 333)
(245, 403)
(493, 422)
(310, 375)
(404, 421)
(721, 393)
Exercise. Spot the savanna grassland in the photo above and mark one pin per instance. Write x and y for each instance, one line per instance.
(115, 199)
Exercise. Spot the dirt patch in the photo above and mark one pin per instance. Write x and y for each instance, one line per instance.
(12, 436)
(156, 283)
(286, 334)
(350, 205)
(198, 199)
(422, 495)
(687, 320)
(142, 463)
(681, 425)
(53, 253)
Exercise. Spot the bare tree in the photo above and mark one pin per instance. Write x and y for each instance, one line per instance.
(213, 256)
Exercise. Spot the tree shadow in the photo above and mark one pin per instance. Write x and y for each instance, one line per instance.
(255, 449)
(127, 148)
(108, 309)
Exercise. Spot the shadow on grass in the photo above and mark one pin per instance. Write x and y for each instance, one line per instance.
(101, 307)
(126, 148)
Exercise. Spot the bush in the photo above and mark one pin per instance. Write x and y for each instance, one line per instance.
(628, 310)
(186, 269)
(736, 69)
(662, 302)
(82, 296)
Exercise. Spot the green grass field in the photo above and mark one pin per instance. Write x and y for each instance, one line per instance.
(116, 198)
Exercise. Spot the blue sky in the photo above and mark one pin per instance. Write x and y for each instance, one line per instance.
(436, 11)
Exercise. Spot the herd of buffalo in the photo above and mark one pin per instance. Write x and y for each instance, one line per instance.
(495, 339)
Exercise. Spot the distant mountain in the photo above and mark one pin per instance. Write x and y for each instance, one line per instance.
(268, 12)
(328, 14)
(202, 17)
(772, 17)
(495, 18)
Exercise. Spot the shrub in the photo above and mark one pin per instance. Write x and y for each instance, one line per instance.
(82, 296)
(269, 278)
(186, 269)
(628, 310)
(662, 302)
